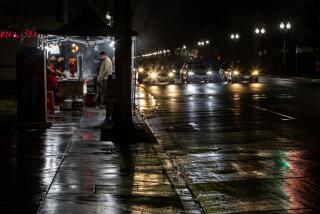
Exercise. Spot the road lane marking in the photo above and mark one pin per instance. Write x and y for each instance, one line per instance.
(273, 112)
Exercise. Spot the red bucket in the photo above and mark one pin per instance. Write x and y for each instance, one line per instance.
(89, 100)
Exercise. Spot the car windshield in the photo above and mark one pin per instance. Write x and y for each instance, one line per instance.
(165, 67)
(199, 67)
(241, 66)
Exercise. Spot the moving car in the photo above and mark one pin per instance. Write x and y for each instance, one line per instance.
(161, 75)
(238, 73)
(156, 74)
(142, 74)
(196, 73)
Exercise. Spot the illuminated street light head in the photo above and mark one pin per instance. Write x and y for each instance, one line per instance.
(207, 42)
(288, 26)
(108, 17)
(199, 43)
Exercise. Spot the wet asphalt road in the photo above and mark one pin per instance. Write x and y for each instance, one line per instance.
(244, 147)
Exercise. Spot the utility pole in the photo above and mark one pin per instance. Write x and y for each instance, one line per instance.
(284, 55)
(122, 115)
(285, 27)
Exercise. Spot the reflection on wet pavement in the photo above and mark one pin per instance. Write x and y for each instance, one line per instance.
(240, 158)
(104, 177)
(29, 160)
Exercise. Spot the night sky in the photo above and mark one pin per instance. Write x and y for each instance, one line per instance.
(168, 23)
(172, 23)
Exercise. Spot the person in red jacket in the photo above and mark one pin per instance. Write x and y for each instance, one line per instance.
(52, 81)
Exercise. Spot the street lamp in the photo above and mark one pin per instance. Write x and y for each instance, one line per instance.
(203, 43)
(260, 31)
(288, 26)
(234, 37)
(108, 17)
(284, 27)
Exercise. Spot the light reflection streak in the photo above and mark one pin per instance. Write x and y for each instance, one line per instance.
(172, 90)
(145, 101)
(192, 89)
(290, 185)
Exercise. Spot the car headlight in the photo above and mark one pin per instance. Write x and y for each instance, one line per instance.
(190, 73)
(171, 74)
(255, 72)
(236, 72)
(153, 75)
(209, 73)
(141, 70)
(174, 71)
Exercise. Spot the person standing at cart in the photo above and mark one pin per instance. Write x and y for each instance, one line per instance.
(58, 66)
(96, 67)
(51, 74)
(104, 73)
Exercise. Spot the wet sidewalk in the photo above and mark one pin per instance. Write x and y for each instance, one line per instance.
(104, 177)
(29, 160)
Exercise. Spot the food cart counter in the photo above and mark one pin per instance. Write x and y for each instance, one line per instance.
(70, 88)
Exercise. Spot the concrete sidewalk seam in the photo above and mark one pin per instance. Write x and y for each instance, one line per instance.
(65, 153)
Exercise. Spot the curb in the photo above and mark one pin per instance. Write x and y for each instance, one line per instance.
(178, 181)
(316, 80)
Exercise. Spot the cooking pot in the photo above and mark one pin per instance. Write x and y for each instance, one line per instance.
(67, 104)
